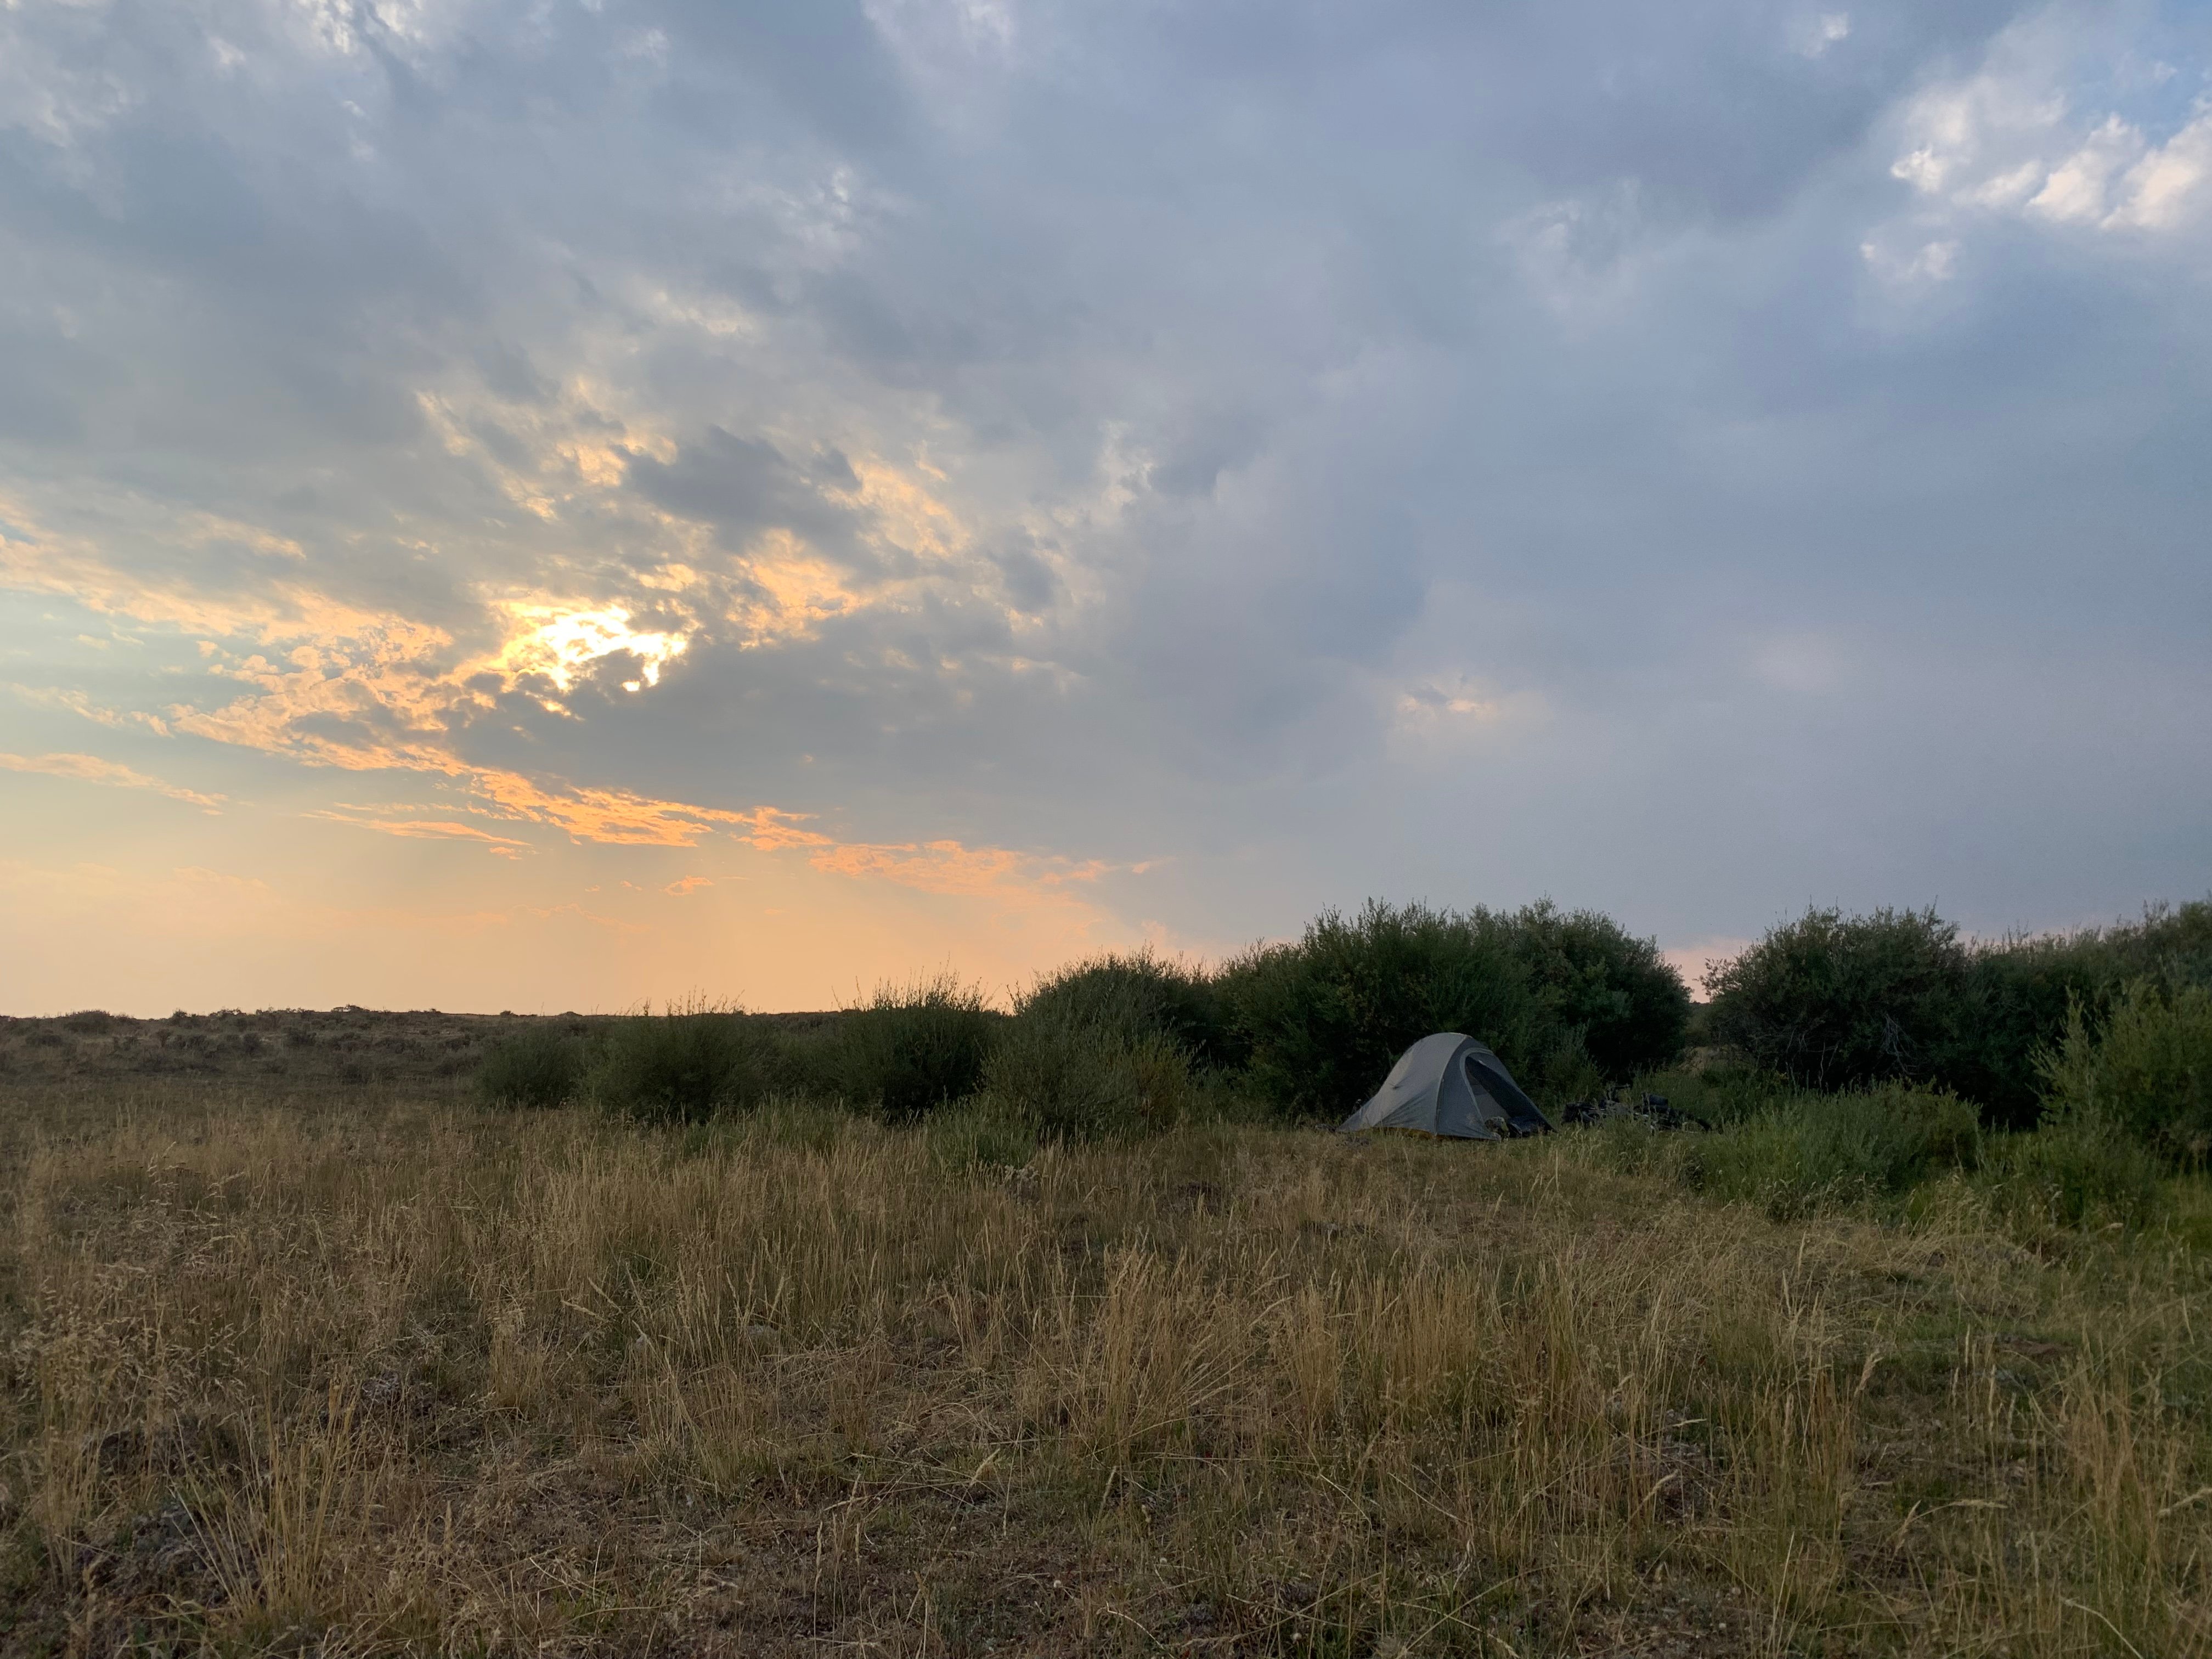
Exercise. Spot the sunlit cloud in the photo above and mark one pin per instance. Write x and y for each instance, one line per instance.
(427, 829)
(90, 768)
(560, 644)
(2015, 138)
(947, 866)
(788, 592)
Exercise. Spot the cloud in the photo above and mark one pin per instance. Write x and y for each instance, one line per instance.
(2017, 138)
(504, 846)
(972, 454)
(91, 768)
(2167, 184)
(559, 642)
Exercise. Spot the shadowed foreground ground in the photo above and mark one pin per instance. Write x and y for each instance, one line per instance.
(354, 1373)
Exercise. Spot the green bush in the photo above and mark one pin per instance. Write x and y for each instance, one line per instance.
(539, 1064)
(1620, 1007)
(1717, 1095)
(2018, 992)
(1829, 1001)
(911, 1048)
(1137, 993)
(1080, 1079)
(1813, 1152)
(2147, 1074)
(2022, 992)
(1324, 1019)
(2071, 1175)
(1569, 1000)
(685, 1064)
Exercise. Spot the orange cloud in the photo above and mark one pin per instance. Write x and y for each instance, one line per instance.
(562, 641)
(505, 847)
(335, 685)
(950, 866)
(90, 768)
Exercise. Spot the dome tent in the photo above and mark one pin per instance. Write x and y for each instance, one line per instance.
(1449, 1084)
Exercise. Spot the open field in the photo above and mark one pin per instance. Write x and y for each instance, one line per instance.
(363, 1369)
(294, 1052)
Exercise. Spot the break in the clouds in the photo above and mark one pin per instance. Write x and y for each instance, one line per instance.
(572, 500)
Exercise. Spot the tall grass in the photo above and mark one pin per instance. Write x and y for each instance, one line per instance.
(480, 1384)
(1798, 1154)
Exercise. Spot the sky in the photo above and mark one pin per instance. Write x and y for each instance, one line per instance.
(547, 504)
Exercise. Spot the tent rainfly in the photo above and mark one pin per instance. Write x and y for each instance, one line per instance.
(1449, 1084)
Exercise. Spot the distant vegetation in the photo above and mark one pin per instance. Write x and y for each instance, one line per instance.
(1843, 1059)
(1831, 1001)
(1124, 1042)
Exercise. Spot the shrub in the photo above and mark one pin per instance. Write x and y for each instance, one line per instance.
(1323, 1020)
(1078, 1077)
(2148, 1074)
(2071, 1175)
(1717, 1095)
(1830, 1001)
(1138, 993)
(540, 1065)
(685, 1064)
(1809, 1152)
(911, 1048)
(1620, 1002)
(2021, 993)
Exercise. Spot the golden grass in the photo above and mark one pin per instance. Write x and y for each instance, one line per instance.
(417, 1376)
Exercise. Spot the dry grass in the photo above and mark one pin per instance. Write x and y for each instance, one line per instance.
(411, 1376)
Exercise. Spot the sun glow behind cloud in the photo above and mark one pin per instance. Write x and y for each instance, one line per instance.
(561, 644)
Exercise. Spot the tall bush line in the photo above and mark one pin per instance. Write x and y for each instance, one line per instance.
(1831, 1001)
(1569, 999)
(2106, 1031)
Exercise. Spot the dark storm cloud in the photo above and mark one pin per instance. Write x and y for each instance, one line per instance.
(1222, 416)
(743, 486)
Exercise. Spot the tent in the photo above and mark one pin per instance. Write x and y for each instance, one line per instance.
(1449, 1084)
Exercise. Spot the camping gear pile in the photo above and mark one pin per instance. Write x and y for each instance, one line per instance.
(1650, 1109)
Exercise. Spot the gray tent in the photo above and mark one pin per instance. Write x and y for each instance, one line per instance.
(1449, 1084)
